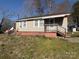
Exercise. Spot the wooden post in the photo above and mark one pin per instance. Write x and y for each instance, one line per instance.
(65, 33)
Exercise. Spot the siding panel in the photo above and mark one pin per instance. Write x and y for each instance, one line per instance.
(30, 27)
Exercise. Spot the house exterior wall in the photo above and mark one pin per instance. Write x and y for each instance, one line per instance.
(31, 30)
(17, 26)
(29, 26)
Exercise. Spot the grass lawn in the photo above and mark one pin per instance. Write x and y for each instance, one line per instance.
(22, 47)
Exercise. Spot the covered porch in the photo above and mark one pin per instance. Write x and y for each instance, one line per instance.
(58, 25)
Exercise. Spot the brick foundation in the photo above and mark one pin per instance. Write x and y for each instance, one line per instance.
(47, 34)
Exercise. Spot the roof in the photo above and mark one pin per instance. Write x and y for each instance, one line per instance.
(44, 17)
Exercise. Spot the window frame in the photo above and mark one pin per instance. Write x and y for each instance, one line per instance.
(35, 23)
(41, 22)
(23, 24)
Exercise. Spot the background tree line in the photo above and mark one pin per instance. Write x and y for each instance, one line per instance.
(75, 13)
(45, 7)
(5, 23)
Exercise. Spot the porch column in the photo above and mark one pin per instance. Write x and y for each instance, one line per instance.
(65, 23)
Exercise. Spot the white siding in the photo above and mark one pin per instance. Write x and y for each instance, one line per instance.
(31, 26)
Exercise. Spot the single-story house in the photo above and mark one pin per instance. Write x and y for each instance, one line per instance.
(49, 25)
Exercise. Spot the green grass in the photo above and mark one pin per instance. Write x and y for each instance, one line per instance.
(75, 34)
(22, 47)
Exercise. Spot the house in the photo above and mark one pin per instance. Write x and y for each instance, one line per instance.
(49, 25)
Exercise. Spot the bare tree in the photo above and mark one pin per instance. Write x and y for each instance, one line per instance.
(38, 7)
(33, 6)
(27, 8)
(5, 23)
(64, 7)
(6, 12)
(50, 6)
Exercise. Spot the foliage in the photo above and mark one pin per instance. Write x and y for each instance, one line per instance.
(6, 24)
(28, 47)
(75, 13)
(76, 9)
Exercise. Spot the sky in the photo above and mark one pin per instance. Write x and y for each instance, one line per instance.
(72, 1)
(13, 6)
(10, 6)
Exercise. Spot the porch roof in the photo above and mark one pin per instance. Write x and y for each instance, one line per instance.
(44, 17)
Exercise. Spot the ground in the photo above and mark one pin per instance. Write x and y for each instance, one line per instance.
(73, 40)
(28, 47)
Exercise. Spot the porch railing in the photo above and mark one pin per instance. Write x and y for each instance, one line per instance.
(61, 30)
(55, 28)
(50, 28)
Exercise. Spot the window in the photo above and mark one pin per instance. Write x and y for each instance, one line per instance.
(36, 23)
(41, 23)
(23, 24)
(20, 24)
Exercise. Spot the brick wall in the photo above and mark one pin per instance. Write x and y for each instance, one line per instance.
(47, 34)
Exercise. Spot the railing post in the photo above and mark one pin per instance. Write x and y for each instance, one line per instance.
(45, 28)
(65, 33)
(57, 28)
